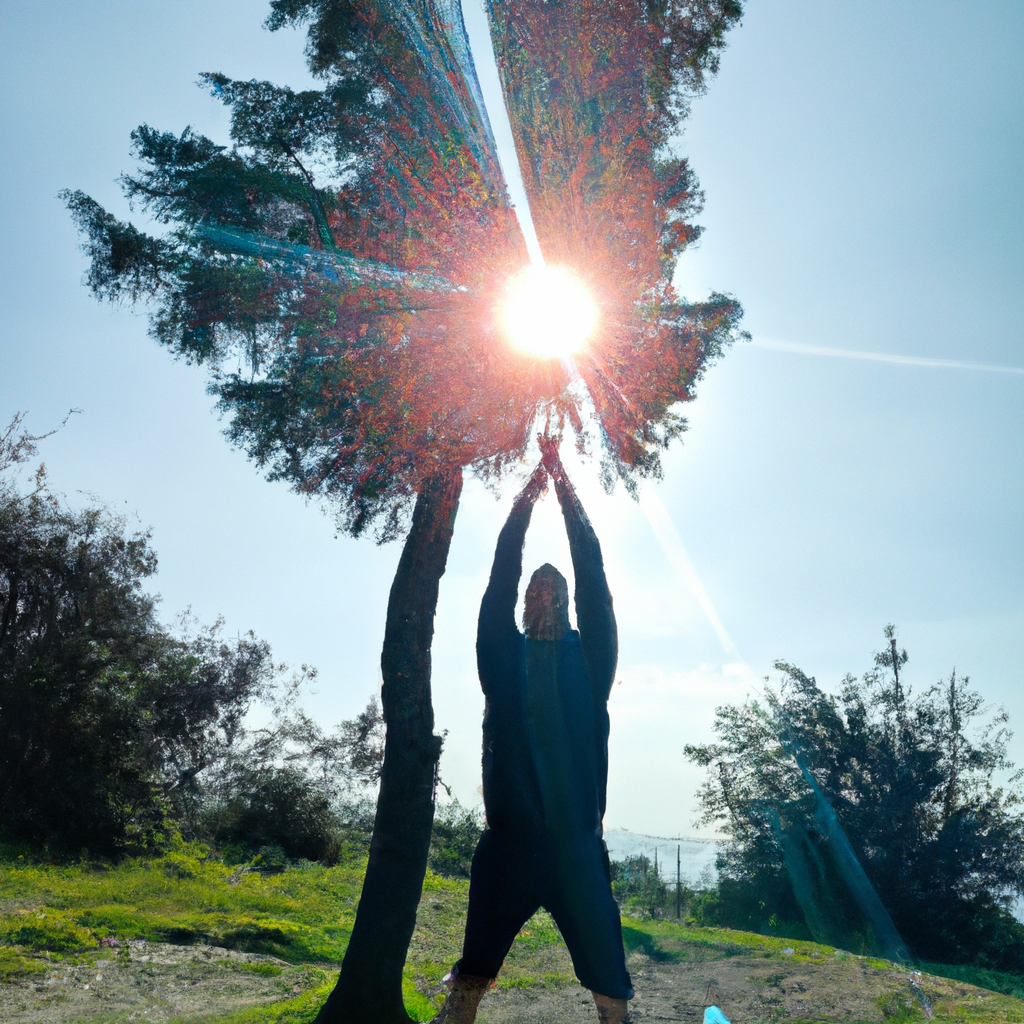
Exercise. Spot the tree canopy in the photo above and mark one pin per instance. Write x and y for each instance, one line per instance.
(920, 785)
(339, 265)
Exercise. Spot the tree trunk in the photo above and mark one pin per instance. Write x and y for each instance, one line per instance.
(370, 985)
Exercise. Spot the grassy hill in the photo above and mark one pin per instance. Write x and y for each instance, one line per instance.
(182, 939)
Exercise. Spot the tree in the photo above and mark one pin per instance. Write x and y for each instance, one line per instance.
(348, 250)
(913, 782)
(106, 718)
(638, 886)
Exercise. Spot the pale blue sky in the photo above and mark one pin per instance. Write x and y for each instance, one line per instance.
(863, 163)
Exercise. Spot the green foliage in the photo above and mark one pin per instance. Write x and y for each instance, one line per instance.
(336, 265)
(456, 832)
(998, 981)
(55, 931)
(279, 815)
(116, 732)
(105, 716)
(639, 888)
(913, 780)
(14, 964)
(291, 791)
(765, 904)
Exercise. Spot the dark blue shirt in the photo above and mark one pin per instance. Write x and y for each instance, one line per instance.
(545, 756)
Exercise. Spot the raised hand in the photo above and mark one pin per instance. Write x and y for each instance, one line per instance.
(551, 461)
(550, 458)
(535, 487)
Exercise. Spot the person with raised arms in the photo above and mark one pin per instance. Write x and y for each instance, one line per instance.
(545, 763)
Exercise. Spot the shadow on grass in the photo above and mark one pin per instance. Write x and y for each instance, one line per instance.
(637, 941)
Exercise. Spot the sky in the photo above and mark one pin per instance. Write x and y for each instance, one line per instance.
(859, 462)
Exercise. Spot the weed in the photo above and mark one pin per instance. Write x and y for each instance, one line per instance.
(997, 981)
(899, 1007)
(264, 969)
(13, 963)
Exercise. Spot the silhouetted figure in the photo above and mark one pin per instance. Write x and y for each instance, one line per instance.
(545, 764)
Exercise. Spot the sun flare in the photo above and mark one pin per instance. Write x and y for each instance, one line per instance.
(548, 313)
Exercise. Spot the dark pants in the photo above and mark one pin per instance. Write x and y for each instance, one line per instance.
(514, 874)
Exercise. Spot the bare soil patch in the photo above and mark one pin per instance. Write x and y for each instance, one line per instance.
(153, 982)
(755, 990)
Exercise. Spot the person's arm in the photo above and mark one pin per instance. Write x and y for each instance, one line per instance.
(594, 614)
(497, 635)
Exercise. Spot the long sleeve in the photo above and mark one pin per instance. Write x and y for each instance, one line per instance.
(594, 614)
(497, 638)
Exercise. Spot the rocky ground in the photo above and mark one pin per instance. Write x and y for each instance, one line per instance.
(151, 982)
(164, 982)
(752, 990)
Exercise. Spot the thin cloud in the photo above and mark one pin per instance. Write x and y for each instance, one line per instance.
(884, 357)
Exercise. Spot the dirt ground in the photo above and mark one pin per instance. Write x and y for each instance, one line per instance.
(153, 982)
(162, 982)
(753, 990)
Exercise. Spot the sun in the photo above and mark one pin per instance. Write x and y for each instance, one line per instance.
(548, 313)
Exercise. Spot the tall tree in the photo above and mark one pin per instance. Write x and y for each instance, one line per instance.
(349, 250)
(914, 782)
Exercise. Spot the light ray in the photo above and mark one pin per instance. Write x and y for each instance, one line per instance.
(657, 515)
(884, 357)
(482, 48)
(675, 551)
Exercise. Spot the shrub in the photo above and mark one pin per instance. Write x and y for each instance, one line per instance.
(105, 716)
(457, 830)
(278, 814)
(824, 797)
(639, 889)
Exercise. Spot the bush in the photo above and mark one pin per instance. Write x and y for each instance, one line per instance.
(764, 905)
(105, 716)
(120, 736)
(456, 832)
(910, 781)
(54, 931)
(292, 787)
(280, 808)
(639, 889)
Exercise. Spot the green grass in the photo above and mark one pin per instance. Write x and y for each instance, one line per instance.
(14, 963)
(303, 916)
(299, 1010)
(997, 981)
(671, 942)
